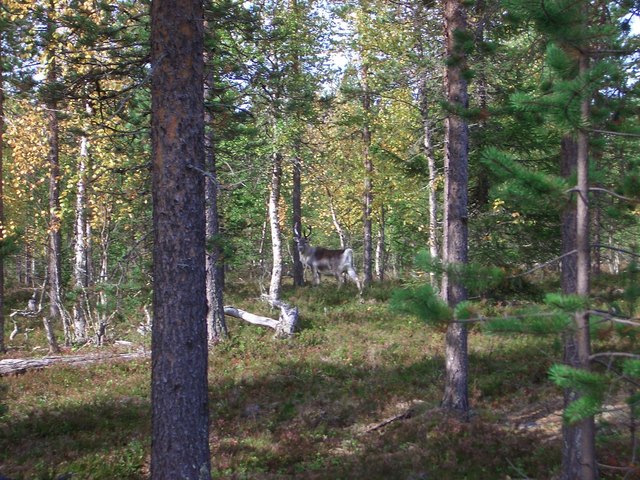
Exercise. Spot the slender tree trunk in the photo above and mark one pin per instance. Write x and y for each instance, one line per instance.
(216, 324)
(568, 274)
(579, 457)
(482, 173)
(380, 247)
(274, 222)
(296, 196)
(433, 173)
(455, 233)
(367, 200)
(80, 267)
(179, 393)
(103, 275)
(2, 226)
(336, 222)
(296, 214)
(55, 240)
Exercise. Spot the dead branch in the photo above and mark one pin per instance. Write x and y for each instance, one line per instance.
(16, 366)
(285, 326)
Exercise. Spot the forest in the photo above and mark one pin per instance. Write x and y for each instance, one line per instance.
(322, 239)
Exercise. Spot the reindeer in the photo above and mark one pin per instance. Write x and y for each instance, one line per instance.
(324, 260)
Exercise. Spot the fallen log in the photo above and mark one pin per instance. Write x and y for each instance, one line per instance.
(14, 366)
(285, 326)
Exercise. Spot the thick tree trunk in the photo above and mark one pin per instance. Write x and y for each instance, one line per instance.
(367, 200)
(455, 215)
(180, 423)
(274, 222)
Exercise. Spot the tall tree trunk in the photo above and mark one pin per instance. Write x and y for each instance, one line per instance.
(2, 226)
(80, 266)
(216, 324)
(433, 172)
(367, 199)
(455, 215)
(296, 195)
(380, 247)
(568, 274)
(482, 173)
(103, 275)
(296, 214)
(55, 240)
(579, 457)
(179, 394)
(274, 222)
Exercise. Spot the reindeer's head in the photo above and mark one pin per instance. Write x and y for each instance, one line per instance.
(302, 240)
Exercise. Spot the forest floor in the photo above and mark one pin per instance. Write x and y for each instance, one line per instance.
(353, 395)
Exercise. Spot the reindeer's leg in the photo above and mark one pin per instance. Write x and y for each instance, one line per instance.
(316, 276)
(354, 277)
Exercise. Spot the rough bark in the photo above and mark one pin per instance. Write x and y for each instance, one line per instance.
(455, 215)
(274, 222)
(180, 424)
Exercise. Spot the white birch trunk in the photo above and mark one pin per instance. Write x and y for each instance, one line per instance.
(80, 271)
(274, 222)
